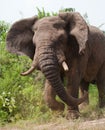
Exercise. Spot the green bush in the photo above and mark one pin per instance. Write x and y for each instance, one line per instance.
(7, 105)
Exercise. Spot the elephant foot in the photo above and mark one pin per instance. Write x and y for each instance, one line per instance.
(56, 106)
(72, 114)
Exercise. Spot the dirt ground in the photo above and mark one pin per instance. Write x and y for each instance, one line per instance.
(66, 125)
(88, 125)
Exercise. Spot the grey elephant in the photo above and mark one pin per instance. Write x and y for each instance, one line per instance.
(62, 46)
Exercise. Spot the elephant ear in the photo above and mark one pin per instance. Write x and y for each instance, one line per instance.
(77, 28)
(19, 37)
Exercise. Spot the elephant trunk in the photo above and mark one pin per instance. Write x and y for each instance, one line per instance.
(47, 60)
(49, 66)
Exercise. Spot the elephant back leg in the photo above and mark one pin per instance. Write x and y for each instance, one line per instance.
(101, 86)
(50, 98)
(84, 86)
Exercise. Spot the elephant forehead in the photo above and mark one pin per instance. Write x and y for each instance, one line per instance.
(49, 21)
(53, 21)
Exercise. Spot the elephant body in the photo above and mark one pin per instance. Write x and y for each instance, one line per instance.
(62, 46)
(96, 41)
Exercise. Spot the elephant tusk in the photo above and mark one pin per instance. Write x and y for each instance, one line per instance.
(28, 71)
(33, 66)
(65, 66)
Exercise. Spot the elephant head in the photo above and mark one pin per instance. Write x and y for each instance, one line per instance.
(45, 41)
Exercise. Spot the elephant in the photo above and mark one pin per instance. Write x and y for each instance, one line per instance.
(62, 46)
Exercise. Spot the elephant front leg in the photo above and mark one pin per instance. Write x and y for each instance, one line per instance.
(50, 98)
(74, 78)
(72, 111)
(73, 89)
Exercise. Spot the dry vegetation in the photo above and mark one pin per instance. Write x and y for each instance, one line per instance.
(63, 124)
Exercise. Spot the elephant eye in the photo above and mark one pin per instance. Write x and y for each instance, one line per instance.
(34, 29)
